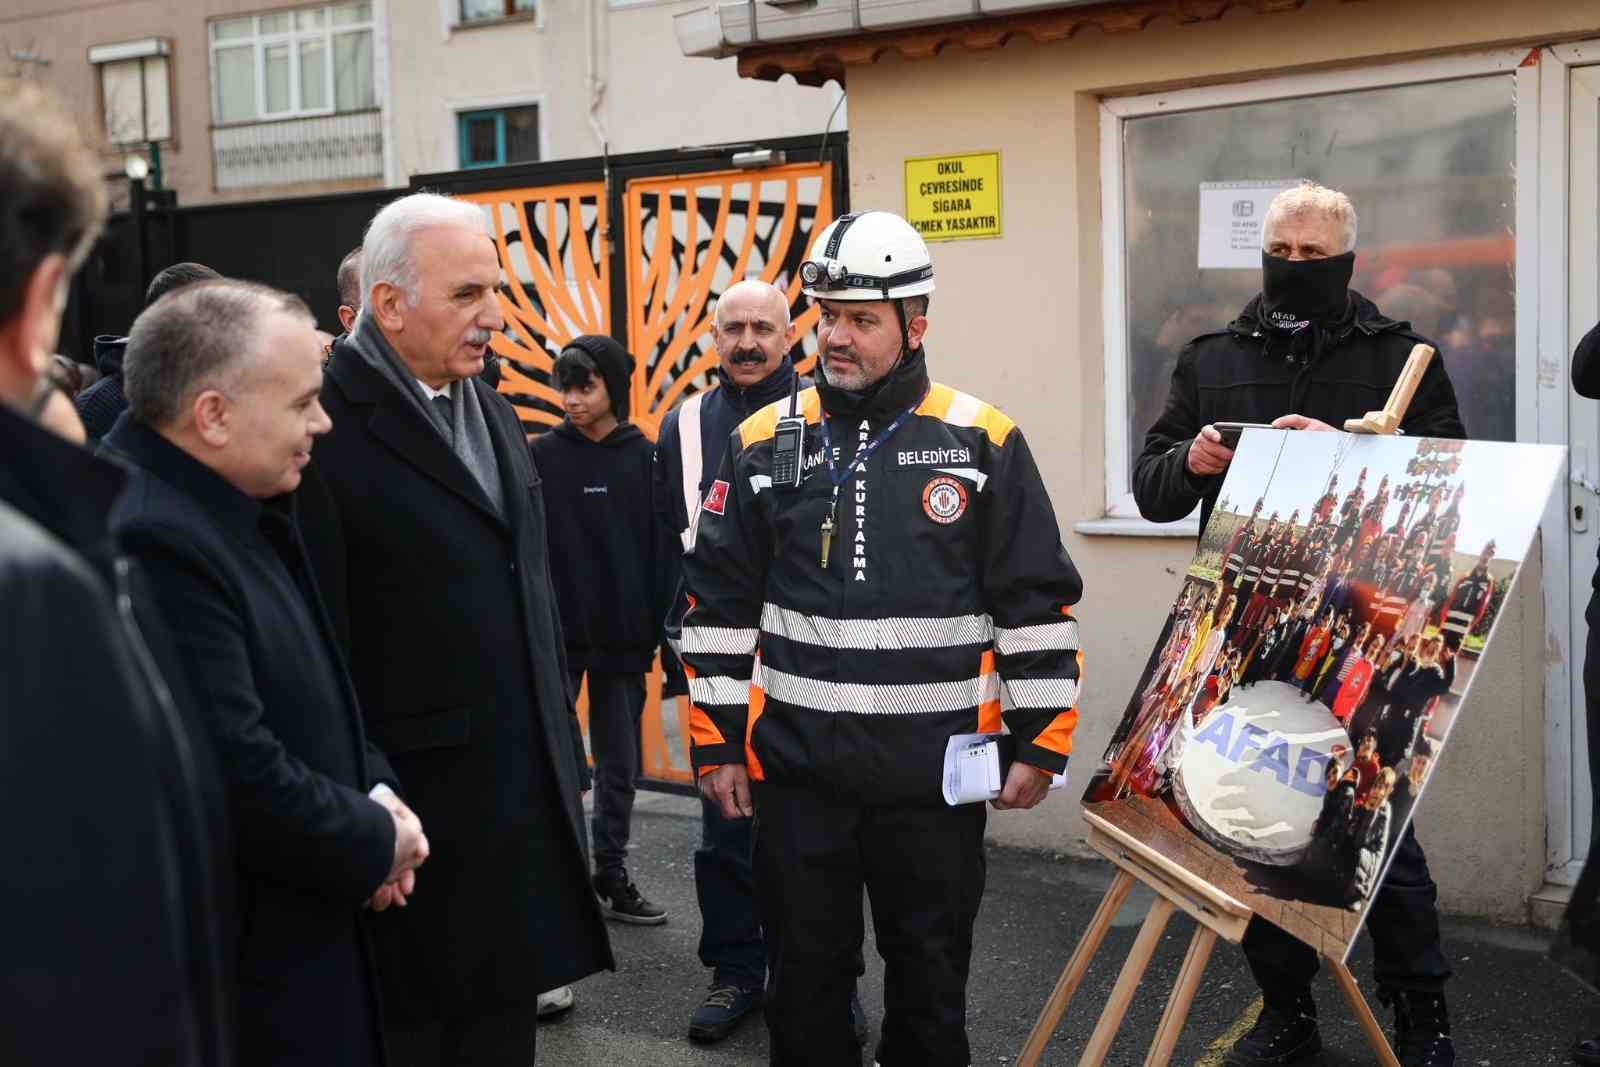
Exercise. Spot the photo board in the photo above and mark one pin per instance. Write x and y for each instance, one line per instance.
(1309, 673)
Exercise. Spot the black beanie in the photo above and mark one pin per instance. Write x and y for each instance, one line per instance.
(614, 364)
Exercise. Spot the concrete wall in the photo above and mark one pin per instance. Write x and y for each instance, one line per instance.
(1017, 320)
(654, 96)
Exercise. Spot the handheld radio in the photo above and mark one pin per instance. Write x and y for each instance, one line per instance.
(788, 443)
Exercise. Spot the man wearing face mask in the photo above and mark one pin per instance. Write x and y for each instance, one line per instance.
(871, 575)
(1306, 354)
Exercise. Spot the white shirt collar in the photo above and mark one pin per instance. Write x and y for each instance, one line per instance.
(430, 392)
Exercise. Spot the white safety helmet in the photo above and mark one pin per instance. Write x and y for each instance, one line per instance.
(868, 255)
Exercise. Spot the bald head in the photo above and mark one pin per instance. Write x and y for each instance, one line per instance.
(752, 331)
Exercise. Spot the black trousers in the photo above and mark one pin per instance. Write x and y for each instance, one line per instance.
(477, 1041)
(725, 885)
(1403, 922)
(923, 872)
(616, 703)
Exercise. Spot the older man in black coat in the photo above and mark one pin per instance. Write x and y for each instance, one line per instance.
(222, 381)
(425, 521)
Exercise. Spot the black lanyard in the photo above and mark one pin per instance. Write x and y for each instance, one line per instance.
(838, 478)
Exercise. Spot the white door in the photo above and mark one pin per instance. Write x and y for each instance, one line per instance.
(1583, 504)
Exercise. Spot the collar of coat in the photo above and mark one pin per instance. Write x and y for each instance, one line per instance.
(137, 443)
(58, 485)
(1367, 320)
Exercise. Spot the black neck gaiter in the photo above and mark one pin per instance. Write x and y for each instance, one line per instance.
(1299, 292)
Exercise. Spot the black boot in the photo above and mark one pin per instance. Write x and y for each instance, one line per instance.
(1421, 1029)
(1286, 1032)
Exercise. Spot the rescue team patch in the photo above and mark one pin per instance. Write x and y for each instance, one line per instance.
(717, 497)
(944, 499)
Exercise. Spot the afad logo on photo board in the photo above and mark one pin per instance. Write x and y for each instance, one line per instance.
(954, 196)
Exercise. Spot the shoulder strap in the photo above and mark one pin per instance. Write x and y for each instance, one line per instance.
(693, 464)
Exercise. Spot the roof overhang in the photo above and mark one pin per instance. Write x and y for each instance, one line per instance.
(816, 40)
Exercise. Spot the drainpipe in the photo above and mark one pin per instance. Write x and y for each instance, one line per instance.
(596, 22)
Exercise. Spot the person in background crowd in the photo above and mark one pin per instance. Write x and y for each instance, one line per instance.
(101, 404)
(1577, 943)
(607, 560)
(1308, 353)
(753, 336)
(111, 907)
(222, 380)
(424, 517)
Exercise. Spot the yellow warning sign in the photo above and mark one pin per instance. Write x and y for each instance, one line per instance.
(954, 196)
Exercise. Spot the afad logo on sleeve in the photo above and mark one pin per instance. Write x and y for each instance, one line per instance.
(717, 497)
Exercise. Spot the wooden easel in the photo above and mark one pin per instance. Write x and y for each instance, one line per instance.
(1215, 912)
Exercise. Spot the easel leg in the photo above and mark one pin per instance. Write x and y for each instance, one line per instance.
(1363, 1013)
(1144, 946)
(1177, 1011)
(1076, 967)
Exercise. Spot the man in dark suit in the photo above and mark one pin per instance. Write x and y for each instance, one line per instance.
(108, 904)
(222, 381)
(426, 525)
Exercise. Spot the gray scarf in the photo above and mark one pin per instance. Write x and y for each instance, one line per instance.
(468, 434)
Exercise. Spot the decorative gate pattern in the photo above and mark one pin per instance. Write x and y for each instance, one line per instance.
(690, 237)
(558, 284)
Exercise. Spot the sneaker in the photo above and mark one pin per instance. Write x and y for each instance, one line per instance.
(724, 1008)
(858, 1017)
(1276, 1038)
(621, 900)
(1421, 1030)
(555, 1002)
(1587, 1052)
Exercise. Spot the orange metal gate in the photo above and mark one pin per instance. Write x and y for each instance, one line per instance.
(685, 239)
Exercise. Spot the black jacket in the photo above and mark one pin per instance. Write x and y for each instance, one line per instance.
(100, 405)
(110, 897)
(945, 607)
(606, 554)
(234, 584)
(446, 609)
(1229, 376)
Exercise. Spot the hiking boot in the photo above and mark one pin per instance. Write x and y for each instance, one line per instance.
(724, 1008)
(621, 900)
(557, 1001)
(1278, 1037)
(858, 1016)
(1587, 1052)
(1421, 1029)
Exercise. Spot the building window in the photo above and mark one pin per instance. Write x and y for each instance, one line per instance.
(1430, 168)
(489, 10)
(308, 61)
(503, 135)
(135, 93)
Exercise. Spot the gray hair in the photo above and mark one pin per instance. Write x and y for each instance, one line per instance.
(387, 249)
(193, 338)
(1309, 198)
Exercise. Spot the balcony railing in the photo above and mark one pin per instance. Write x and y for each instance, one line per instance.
(290, 151)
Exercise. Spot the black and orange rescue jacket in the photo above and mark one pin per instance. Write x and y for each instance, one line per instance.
(944, 609)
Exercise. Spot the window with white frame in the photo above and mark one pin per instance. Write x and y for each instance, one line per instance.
(1430, 166)
(293, 63)
(489, 10)
(135, 90)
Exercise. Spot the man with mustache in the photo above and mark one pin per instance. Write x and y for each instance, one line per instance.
(1307, 353)
(753, 336)
(425, 518)
(893, 577)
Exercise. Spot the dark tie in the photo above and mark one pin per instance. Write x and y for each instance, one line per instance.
(441, 407)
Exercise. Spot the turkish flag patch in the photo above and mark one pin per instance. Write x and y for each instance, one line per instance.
(717, 497)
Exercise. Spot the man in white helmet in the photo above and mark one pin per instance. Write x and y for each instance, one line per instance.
(877, 568)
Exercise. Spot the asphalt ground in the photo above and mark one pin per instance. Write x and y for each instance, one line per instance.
(1508, 1004)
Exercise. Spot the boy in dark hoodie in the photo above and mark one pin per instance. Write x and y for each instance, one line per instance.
(607, 562)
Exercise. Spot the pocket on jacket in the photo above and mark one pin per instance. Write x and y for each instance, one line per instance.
(446, 728)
